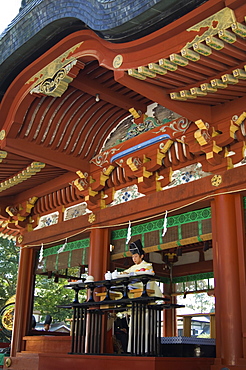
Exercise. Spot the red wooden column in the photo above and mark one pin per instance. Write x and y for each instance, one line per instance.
(98, 265)
(99, 253)
(24, 298)
(169, 323)
(227, 229)
(241, 226)
(169, 316)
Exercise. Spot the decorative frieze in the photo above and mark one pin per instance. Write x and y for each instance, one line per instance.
(76, 211)
(48, 220)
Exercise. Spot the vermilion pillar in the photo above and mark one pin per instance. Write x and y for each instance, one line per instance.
(169, 323)
(169, 315)
(24, 298)
(227, 239)
(99, 253)
(98, 265)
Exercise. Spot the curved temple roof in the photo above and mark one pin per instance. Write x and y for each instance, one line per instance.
(42, 23)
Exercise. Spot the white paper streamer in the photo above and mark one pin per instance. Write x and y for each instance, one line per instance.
(129, 233)
(164, 225)
(60, 250)
(41, 253)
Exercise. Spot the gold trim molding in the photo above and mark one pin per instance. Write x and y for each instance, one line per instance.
(22, 176)
(56, 65)
(218, 21)
(57, 84)
(3, 155)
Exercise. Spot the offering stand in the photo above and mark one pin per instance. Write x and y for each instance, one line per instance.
(145, 331)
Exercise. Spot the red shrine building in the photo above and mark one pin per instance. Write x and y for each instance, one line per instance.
(118, 116)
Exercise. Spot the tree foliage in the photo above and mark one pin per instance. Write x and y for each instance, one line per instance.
(49, 295)
(198, 302)
(202, 303)
(9, 259)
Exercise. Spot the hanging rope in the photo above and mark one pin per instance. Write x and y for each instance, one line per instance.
(140, 220)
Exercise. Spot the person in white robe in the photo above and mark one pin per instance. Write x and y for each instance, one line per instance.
(141, 266)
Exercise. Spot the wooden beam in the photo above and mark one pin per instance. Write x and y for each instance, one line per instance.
(225, 112)
(44, 189)
(158, 95)
(92, 87)
(190, 196)
(196, 268)
(35, 152)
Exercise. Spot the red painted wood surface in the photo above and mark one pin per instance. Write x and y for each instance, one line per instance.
(57, 362)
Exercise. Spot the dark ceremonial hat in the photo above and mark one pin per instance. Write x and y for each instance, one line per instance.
(48, 319)
(33, 322)
(136, 247)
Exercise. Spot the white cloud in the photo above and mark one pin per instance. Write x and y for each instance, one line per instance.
(9, 10)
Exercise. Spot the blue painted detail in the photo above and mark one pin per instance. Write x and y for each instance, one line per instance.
(189, 340)
(137, 147)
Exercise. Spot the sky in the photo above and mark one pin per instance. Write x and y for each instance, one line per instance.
(9, 9)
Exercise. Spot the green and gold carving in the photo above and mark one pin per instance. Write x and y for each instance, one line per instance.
(146, 72)
(187, 94)
(179, 60)
(22, 176)
(177, 96)
(134, 73)
(218, 84)
(190, 54)
(157, 69)
(54, 66)
(202, 49)
(218, 21)
(3, 155)
(197, 91)
(167, 64)
(54, 70)
(229, 79)
(214, 43)
(239, 73)
(57, 84)
(239, 29)
(227, 36)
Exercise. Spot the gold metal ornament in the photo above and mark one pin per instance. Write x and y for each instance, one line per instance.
(48, 71)
(20, 239)
(56, 84)
(92, 218)
(118, 60)
(8, 319)
(8, 362)
(221, 20)
(216, 180)
(22, 176)
(2, 134)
